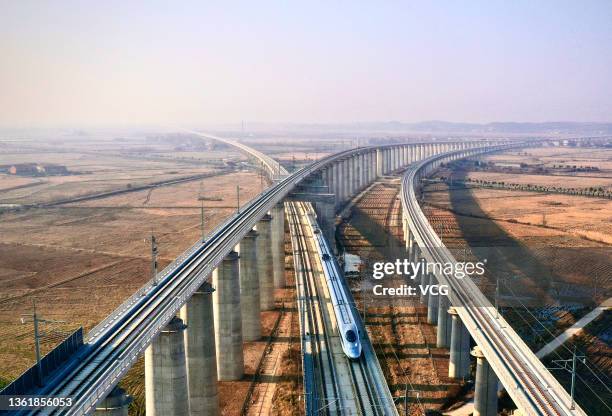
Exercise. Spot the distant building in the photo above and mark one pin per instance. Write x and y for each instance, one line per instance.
(35, 169)
(55, 169)
(508, 164)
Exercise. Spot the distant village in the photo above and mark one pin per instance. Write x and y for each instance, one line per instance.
(35, 169)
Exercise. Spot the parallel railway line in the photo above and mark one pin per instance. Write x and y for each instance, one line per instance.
(528, 382)
(357, 386)
(113, 346)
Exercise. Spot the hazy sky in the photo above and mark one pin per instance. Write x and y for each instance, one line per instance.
(117, 62)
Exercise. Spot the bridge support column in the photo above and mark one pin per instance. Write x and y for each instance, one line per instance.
(356, 173)
(337, 183)
(264, 264)
(387, 167)
(200, 353)
(444, 323)
(250, 302)
(115, 404)
(228, 319)
(432, 304)
(396, 158)
(459, 363)
(352, 170)
(361, 179)
(424, 282)
(328, 223)
(372, 166)
(166, 372)
(346, 184)
(380, 162)
(485, 390)
(365, 178)
(413, 253)
(278, 244)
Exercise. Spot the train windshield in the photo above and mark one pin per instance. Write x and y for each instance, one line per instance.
(350, 336)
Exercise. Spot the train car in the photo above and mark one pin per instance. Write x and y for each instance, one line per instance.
(344, 312)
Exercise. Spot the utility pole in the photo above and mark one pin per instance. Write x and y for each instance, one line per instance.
(202, 221)
(563, 365)
(573, 377)
(238, 198)
(37, 343)
(36, 320)
(406, 399)
(261, 177)
(154, 259)
(496, 297)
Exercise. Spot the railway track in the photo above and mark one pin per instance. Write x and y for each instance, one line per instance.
(339, 385)
(528, 382)
(114, 345)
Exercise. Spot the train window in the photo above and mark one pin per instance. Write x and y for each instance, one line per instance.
(350, 336)
(326, 257)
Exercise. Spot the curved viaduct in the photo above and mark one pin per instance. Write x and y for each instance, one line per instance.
(182, 364)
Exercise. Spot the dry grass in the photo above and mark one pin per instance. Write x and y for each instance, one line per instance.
(544, 180)
(82, 261)
(549, 156)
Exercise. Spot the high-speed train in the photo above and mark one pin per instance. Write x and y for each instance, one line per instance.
(349, 334)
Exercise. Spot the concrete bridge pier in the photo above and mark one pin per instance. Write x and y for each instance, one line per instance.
(337, 190)
(399, 157)
(424, 297)
(459, 363)
(278, 244)
(485, 389)
(115, 404)
(166, 373)
(363, 176)
(360, 166)
(228, 318)
(413, 255)
(348, 178)
(344, 178)
(372, 166)
(265, 270)
(354, 174)
(379, 163)
(328, 222)
(200, 353)
(432, 304)
(250, 302)
(444, 323)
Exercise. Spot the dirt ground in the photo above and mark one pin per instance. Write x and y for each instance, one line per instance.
(96, 171)
(276, 389)
(550, 156)
(544, 180)
(81, 261)
(551, 251)
(565, 239)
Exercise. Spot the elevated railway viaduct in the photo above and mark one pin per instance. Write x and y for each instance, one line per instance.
(186, 355)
